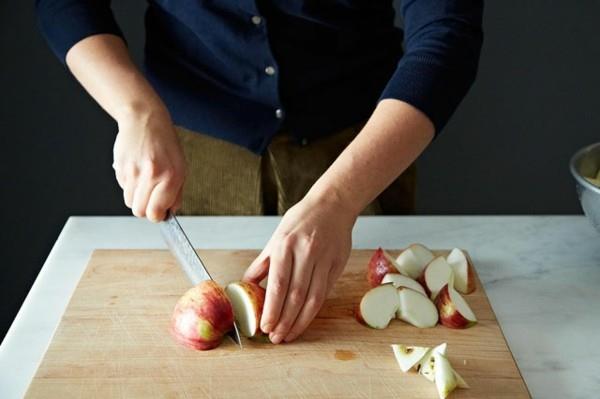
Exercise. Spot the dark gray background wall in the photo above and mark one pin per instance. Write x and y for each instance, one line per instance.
(505, 151)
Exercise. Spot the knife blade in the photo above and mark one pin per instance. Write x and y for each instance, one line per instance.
(188, 259)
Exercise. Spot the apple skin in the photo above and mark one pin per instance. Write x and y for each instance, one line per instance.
(358, 315)
(379, 265)
(202, 316)
(449, 314)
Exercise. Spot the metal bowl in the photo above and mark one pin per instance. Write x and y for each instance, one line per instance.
(586, 163)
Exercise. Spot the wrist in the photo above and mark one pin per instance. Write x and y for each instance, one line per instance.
(339, 201)
(140, 112)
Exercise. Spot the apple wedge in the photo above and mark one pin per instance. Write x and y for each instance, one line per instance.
(416, 309)
(437, 274)
(247, 300)
(454, 311)
(425, 367)
(460, 382)
(408, 356)
(378, 306)
(380, 264)
(413, 260)
(445, 376)
(464, 278)
(398, 280)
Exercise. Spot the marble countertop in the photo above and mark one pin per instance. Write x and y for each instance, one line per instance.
(541, 273)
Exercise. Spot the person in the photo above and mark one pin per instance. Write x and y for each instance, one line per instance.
(311, 109)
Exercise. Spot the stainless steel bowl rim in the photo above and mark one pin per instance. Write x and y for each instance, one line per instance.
(576, 174)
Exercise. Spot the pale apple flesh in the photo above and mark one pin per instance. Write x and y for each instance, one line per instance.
(445, 376)
(408, 356)
(416, 309)
(426, 364)
(398, 280)
(454, 311)
(464, 277)
(202, 316)
(378, 306)
(247, 300)
(413, 260)
(380, 264)
(436, 274)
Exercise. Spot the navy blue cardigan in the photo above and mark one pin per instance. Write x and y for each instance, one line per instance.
(242, 70)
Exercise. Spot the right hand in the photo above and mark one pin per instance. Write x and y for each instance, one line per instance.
(149, 164)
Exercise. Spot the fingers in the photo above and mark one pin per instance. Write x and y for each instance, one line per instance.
(178, 200)
(277, 286)
(315, 298)
(162, 198)
(302, 270)
(141, 196)
(259, 268)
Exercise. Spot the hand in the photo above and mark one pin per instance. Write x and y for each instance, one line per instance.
(149, 164)
(303, 259)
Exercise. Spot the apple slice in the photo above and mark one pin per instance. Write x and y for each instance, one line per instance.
(398, 280)
(380, 264)
(445, 376)
(426, 364)
(436, 274)
(413, 260)
(408, 356)
(378, 306)
(247, 300)
(454, 311)
(464, 278)
(416, 309)
(460, 382)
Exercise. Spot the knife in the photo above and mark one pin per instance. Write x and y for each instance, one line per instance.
(188, 259)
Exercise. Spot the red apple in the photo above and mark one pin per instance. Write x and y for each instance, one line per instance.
(454, 311)
(416, 309)
(398, 280)
(247, 300)
(378, 306)
(202, 316)
(436, 274)
(464, 278)
(413, 260)
(381, 263)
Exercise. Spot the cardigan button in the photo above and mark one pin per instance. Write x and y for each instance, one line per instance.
(256, 20)
(270, 70)
(279, 113)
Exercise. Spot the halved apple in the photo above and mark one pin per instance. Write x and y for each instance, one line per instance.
(378, 306)
(413, 260)
(454, 311)
(398, 280)
(436, 274)
(247, 300)
(445, 376)
(380, 264)
(202, 316)
(416, 309)
(408, 356)
(426, 367)
(464, 278)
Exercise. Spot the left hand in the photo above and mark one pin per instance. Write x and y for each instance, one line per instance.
(306, 254)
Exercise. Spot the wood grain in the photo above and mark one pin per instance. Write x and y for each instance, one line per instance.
(113, 342)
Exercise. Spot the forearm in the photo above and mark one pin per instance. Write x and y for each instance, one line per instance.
(390, 141)
(104, 68)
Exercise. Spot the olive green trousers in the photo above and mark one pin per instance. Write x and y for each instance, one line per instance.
(226, 179)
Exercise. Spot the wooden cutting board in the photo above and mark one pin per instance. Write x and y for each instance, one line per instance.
(113, 341)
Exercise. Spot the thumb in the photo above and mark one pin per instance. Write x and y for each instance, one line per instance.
(258, 269)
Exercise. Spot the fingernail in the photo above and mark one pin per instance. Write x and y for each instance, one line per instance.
(266, 328)
(275, 338)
